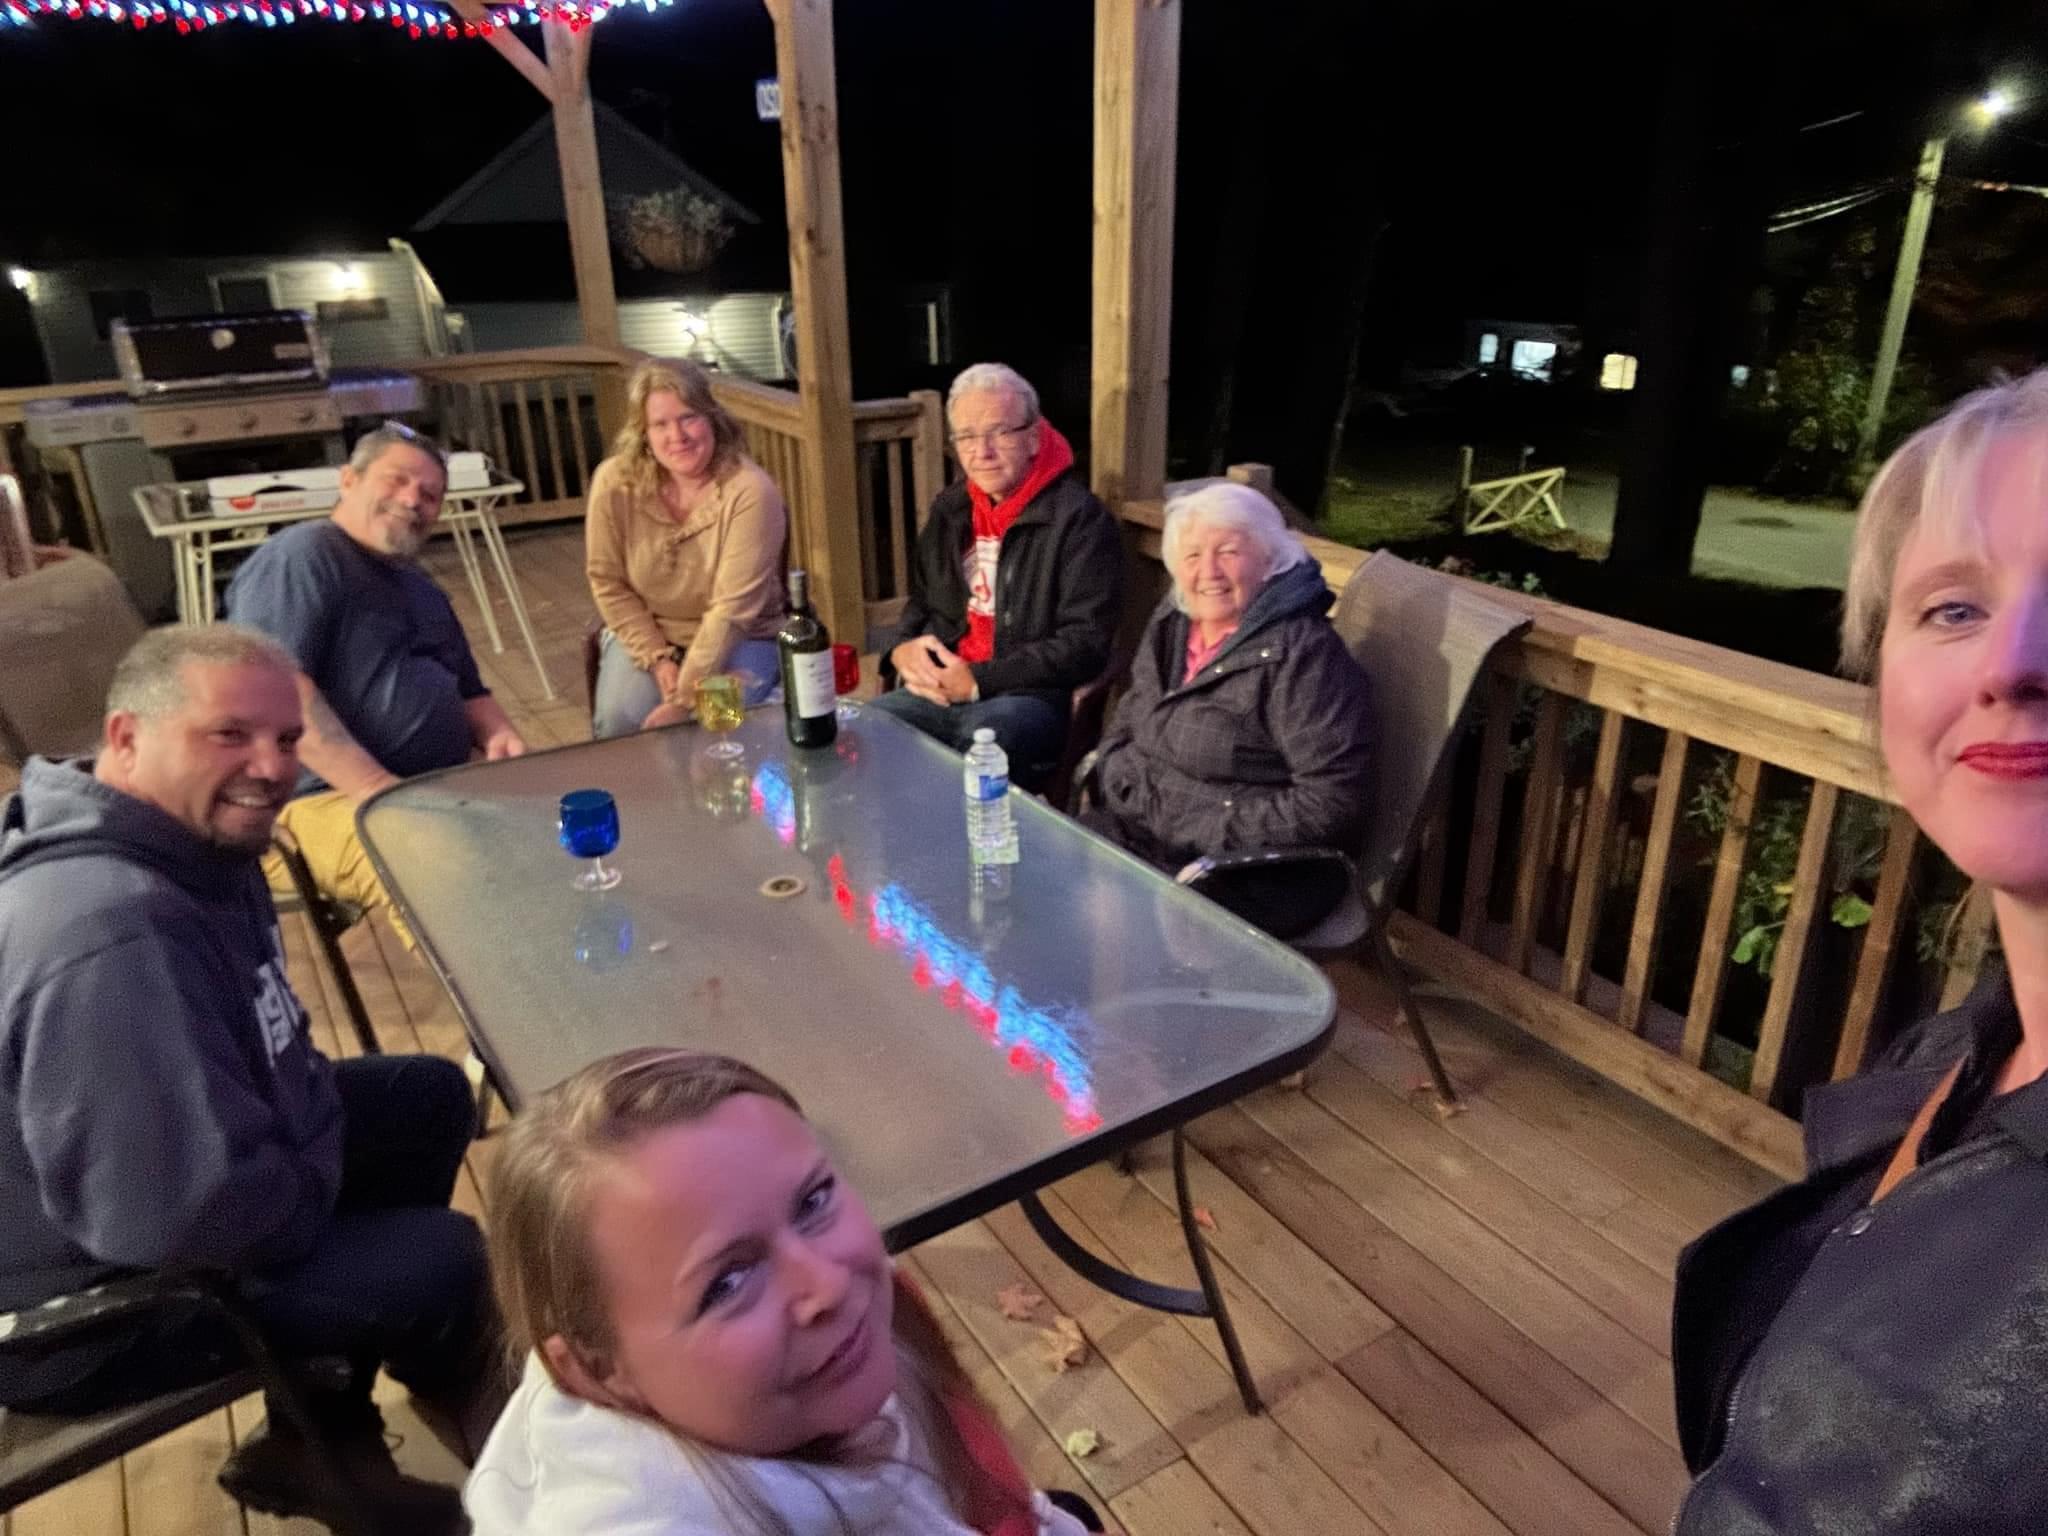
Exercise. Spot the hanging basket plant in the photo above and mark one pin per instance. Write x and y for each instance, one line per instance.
(673, 231)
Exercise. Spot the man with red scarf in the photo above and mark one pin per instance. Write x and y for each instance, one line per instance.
(1017, 585)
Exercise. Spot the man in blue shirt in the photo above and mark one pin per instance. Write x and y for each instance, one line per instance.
(386, 679)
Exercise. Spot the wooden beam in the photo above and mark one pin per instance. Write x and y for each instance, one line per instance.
(590, 246)
(817, 283)
(511, 47)
(1137, 107)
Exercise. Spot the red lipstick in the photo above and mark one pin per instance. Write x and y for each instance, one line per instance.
(2007, 759)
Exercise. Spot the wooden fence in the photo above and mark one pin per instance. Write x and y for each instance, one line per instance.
(535, 413)
(1624, 795)
(901, 466)
(538, 414)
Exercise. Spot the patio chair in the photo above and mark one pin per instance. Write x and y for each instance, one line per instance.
(62, 629)
(1424, 640)
(329, 919)
(1088, 712)
(17, 546)
(42, 1451)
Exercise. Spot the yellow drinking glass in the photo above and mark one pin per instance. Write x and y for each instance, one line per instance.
(720, 710)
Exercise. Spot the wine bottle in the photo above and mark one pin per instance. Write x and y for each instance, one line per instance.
(809, 703)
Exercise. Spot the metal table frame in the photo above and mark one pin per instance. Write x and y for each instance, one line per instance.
(1023, 1186)
(466, 513)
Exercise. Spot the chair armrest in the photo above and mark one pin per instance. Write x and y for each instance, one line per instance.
(1288, 892)
(116, 1301)
(1275, 860)
(1081, 791)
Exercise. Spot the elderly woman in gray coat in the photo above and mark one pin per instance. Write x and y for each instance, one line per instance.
(1247, 724)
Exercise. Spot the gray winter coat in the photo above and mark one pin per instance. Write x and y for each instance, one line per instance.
(1268, 747)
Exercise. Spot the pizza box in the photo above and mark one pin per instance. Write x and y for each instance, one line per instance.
(290, 490)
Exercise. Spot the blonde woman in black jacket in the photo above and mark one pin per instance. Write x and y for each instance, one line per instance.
(1867, 1350)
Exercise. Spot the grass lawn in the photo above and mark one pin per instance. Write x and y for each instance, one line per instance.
(1367, 516)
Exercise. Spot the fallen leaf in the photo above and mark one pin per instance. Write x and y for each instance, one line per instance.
(1064, 1343)
(1019, 1302)
(1082, 1443)
(1205, 1218)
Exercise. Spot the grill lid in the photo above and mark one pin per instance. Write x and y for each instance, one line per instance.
(270, 349)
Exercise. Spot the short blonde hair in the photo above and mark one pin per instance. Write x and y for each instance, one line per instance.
(1239, 508)
(1935, 476)
(689, 384)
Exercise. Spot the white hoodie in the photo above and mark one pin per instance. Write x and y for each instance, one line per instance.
(558, 1466)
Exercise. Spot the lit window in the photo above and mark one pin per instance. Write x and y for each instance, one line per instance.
(1532, 359)
(1618, 371)
(1489, 349)
(1739, 375)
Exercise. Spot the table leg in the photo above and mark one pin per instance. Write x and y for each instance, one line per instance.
(494, 541)
(205, 581)
(458, 525)
(1207, 1302)
(190, 563)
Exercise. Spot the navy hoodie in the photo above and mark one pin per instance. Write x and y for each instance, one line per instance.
(160, 1101)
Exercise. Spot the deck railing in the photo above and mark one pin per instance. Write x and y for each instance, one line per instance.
(901, 466)
(1623, 796)
(538, 414)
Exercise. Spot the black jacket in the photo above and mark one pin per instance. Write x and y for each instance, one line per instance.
(1900, 1384)
(1059, 590)
(1269, 747)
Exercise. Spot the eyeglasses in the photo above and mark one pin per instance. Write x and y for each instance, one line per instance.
(962, 441)
(390, 428)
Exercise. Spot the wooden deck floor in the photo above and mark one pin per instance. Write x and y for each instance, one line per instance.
(1460, 1325)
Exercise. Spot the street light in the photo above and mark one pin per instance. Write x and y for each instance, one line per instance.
(1991, 106)
(1984, 111)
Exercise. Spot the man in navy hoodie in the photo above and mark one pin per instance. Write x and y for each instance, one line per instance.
(161, 1105)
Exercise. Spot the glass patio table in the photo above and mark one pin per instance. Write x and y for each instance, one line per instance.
(961, 1035)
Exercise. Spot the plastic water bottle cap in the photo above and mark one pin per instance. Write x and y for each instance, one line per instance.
(985, 733)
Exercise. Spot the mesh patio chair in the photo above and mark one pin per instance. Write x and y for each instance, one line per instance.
(62, 629)
(1424, 641)
(42, 1451)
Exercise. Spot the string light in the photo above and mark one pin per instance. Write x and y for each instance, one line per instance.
(412, 17)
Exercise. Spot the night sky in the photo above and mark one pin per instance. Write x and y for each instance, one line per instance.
(1502, 152)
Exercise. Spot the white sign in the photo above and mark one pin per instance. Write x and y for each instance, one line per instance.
(768, 100)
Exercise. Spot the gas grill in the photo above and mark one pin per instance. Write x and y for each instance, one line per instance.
(205, 396)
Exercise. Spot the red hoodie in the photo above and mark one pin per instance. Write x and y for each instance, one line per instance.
(992, 520)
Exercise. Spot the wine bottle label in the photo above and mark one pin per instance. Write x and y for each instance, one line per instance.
(812, 676)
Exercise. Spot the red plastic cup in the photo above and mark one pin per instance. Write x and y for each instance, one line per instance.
(846, 669)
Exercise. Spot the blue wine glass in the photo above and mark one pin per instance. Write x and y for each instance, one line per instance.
(589, 827)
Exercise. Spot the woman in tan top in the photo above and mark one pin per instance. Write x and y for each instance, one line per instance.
(684, 554)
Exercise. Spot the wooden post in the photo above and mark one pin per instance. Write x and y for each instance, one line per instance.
(590, 246)
(1137, 105)
(817, 282)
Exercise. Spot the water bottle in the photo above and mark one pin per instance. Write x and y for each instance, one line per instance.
(990, 836)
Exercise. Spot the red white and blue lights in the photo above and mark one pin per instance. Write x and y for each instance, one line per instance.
(415, 20)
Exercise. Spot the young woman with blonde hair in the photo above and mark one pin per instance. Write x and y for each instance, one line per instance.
(715, 1337)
